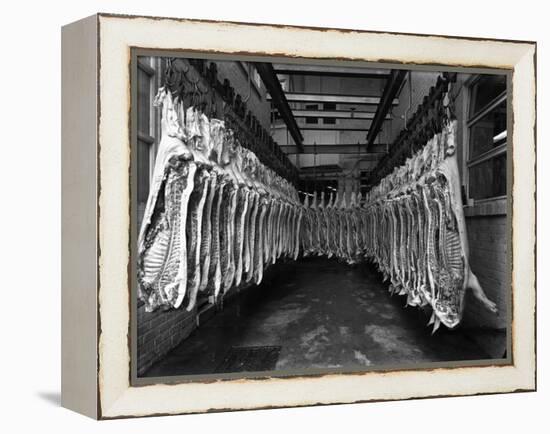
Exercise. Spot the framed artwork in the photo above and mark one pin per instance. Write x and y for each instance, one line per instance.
(261, 216)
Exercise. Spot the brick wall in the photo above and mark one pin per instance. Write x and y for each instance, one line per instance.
(487, 237)
(160, 331)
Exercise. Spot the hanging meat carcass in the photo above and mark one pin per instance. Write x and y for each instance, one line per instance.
(411, 225)
(162, 251)
(335, 229)
(215, 215)
(417, 232)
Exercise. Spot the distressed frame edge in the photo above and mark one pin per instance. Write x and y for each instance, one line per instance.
(79, 218)
(303, 27)
(529, 385)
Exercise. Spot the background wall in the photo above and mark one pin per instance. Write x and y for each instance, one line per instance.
(237, 74)
(348, 180)
(487, 236)
(30, 39)
(415, 87)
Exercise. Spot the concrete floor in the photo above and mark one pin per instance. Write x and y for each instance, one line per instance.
(318, 313)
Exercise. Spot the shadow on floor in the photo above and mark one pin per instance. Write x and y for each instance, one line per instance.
(52, 398)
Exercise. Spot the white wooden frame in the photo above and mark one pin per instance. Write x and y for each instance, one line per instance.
(96, 217)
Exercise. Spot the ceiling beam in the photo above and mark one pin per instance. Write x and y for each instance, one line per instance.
(319, 176)
(364, 108)
(338, 99)
(330, 168)
(277, 94)
(393, 84)
(322, 127)
(336, 114)
(330, 71)
(331, 127)
(378, 149)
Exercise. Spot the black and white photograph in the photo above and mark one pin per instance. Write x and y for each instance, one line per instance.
(270, 215)
(300, 218)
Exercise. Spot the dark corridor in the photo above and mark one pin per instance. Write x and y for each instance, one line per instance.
(317, 313)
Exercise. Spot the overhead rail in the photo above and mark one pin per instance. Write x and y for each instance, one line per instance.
(428, 120)
(335, 114)
(278, 98)
(393, 84)
(330, 71)
(331, 98)
(196, 81)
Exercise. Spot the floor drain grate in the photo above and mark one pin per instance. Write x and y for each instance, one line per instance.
(249, 359)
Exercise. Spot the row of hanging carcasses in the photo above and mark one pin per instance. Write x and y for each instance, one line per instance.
(215, 215)
(411, 225)
(417, 231)
(334, 228)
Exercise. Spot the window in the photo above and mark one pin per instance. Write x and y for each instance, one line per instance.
(309, 119)
(329, 106)
(147, 125)
(487, 138)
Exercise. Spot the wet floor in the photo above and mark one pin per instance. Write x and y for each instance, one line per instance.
(317, 313)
